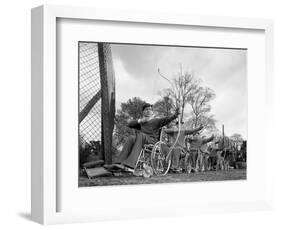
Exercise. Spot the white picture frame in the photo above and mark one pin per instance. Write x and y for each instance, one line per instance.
(45, 182)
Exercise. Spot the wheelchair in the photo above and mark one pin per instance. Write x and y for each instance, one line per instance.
(152, 159)
(195, 160)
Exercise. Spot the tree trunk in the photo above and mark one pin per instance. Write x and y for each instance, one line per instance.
(196, 121)
(181, 116)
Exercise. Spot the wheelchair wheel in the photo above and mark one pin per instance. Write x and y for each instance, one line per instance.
(188, 163)
(159, 163)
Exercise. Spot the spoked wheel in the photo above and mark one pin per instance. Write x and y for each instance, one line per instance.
(159, 163)
(188, 163)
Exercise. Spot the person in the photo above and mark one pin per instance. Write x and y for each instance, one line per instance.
(196, 142)
(205, 156)
(224, 153)
(148, 129)
(213, 155)
(179, 147)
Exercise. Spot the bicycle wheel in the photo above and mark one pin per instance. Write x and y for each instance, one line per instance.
(159, 163)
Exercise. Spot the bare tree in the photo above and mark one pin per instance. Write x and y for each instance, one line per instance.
(183, 84)
(207, 120)
(199, 99)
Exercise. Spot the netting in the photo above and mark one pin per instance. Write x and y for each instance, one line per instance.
(96, 100)
(89, 85)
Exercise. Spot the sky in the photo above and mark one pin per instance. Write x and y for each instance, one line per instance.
(223, 70)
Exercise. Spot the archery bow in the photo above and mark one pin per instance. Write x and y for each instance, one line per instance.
(179, 120)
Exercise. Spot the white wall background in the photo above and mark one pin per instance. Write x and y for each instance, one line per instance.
(15, 112)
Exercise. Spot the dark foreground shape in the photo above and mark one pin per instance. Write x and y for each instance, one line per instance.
(128, 178)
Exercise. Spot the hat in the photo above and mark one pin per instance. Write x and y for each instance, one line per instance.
(146, 105)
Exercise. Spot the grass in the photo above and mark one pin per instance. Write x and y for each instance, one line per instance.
(126, 179)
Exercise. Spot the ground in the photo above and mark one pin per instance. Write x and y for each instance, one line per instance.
(237, 174)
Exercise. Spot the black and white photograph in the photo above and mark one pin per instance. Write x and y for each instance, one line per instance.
(151, 114)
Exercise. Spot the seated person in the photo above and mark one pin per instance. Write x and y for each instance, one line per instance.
(196, 142)
(213, 155)
(205, 158)
(147, 133)
(180, 145)
(224, 152)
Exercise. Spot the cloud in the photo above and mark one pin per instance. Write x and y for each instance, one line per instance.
(139, 61)
(128, 86)
(223, 70)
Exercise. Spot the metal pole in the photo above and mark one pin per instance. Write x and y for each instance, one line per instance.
(223, 135)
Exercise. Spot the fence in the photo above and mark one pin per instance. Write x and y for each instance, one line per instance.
(96, 97)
